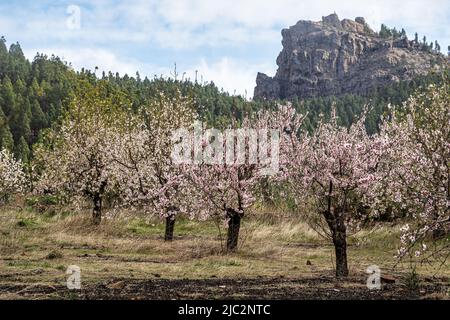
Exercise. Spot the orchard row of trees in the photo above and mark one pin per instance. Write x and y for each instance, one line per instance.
(105, 149)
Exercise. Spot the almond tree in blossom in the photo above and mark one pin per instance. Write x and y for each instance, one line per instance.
(149, 177)
(12, 177)
(332, 172)
(228, 166)
(417, 170)
(76, 161)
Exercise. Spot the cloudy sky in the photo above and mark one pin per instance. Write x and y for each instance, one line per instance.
(226, 41)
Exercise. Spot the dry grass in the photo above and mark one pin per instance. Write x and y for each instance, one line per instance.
(37, 249)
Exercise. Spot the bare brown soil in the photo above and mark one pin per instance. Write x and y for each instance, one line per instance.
(322, 288)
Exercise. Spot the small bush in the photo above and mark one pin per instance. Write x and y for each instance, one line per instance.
(27, 223)
(54, 255)
(412, 280)
(42, 203)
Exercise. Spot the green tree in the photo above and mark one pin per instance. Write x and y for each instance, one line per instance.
(38, 118)
(6, 138)
(437, 46)
(403, 33)
(3, 57)
(22, 151)
(385, 32)
(19, 65)
(20, 123)
(8, 97)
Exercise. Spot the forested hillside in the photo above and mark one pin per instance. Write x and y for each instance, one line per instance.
(34, 94)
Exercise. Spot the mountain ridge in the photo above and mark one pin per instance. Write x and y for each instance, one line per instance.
(336, 57)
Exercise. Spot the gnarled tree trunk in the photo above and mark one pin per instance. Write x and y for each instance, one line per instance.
(170, 226)
(336, 222)
(339, 236)
(97, 211)
(97, 199)
(234, 225)
(340, 247)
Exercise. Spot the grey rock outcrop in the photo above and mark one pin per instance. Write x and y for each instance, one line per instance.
(334, 57)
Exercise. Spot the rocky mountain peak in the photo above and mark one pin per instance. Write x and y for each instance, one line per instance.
(332, 20)
(335, 57)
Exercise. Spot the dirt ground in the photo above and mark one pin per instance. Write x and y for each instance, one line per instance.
(323, 288)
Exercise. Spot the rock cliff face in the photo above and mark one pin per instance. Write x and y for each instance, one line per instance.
(334, 57)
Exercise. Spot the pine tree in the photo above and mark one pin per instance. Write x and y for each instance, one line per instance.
(385, 32)
(20, 123)
(6, 138)
(403, 33)
(23, 151)
(437, 47)
(20, 88)
(395, 33)
(38, 118)
(3, 57)
(35, 90)
(8, 97)
(19, 65)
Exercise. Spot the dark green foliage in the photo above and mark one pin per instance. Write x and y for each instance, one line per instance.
(43, 203)
(6, 139)
(32, 96)
(386, 32)
(349, 107)
(214, 106)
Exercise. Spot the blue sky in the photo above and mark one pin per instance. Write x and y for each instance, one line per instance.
(228, 42)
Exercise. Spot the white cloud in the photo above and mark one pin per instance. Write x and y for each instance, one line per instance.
(234, 76)
(262, 13)
(258, 17)
(193, 23)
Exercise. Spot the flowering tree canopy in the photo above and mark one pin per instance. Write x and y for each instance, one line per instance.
(12, 178)
(417, 168)
(149, 177)
(332, 172)
(77, 161)
(228, 167)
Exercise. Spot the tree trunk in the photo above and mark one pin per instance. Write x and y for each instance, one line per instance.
(234, 225)
(170, 226)
(340, 247)
(97, 212)
(439, 233)
(336, 223)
